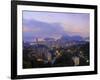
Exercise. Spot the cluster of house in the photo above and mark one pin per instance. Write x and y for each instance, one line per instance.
(43, 50)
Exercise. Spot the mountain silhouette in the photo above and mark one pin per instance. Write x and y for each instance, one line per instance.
(72, 38)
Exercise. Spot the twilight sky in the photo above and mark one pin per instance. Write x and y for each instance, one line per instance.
(54, 24)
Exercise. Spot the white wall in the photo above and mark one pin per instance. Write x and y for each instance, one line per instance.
(5, 29)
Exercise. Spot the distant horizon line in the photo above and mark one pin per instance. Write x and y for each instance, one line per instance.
(44, 39)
